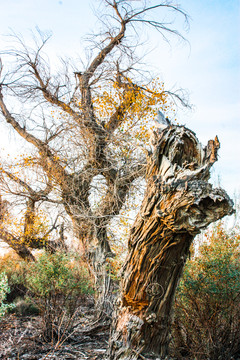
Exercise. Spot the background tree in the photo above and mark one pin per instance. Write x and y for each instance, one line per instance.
(8, 237)
(87, 126)
(30, 229)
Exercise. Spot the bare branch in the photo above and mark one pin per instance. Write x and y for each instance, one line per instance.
(44, 150)
(98, 60)
(16, 245)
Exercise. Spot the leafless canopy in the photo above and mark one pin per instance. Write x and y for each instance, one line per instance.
(77, 148)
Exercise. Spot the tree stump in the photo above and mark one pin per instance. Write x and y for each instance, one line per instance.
(179, 202)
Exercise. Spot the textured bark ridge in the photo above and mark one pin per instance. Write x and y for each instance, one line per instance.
(178, 203)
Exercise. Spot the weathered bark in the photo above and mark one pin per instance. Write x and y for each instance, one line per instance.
(96, 252)
(178, 203)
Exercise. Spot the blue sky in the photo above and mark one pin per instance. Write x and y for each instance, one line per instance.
(209, 68)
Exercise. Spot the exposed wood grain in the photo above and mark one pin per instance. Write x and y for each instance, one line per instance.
(178, 203)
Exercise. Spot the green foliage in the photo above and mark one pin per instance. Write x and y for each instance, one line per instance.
(4, 290)
(54, 286)
(207, 313)
(58, 284)
(59, 274)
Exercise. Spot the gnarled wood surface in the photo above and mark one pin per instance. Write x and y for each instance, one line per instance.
(178, 203)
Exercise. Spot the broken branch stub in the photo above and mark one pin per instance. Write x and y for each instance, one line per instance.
(179, 202)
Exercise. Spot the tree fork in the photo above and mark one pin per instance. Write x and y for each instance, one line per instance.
(179, 202)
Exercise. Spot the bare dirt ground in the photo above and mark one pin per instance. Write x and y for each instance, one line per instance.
(20, 338)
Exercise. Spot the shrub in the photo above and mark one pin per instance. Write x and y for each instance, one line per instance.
(54, 286)
(4, 289)
(59, 284)
(207, 312)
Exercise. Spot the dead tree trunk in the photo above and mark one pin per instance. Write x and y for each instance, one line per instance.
(178, 203)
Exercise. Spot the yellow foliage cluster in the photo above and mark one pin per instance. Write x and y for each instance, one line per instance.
(37, 227)
(139, 102)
